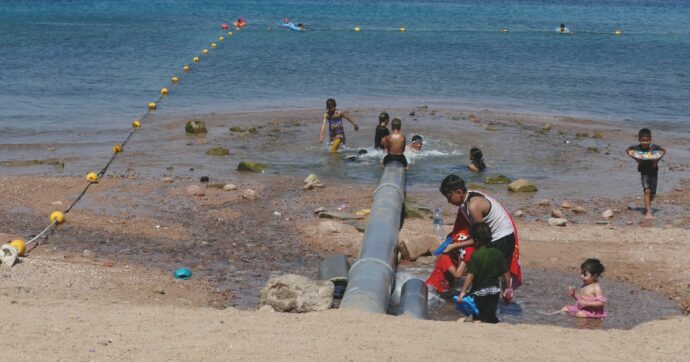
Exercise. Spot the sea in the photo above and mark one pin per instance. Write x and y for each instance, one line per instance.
(81, 69)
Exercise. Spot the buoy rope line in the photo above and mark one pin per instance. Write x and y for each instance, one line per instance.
(58, 217)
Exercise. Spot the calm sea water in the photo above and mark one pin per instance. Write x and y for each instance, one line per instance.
(97, 63)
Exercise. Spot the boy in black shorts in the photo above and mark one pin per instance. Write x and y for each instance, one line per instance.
(649, 169)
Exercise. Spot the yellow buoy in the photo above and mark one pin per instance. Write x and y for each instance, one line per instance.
(164, 91)
(230, 33)
(186, 68)
(221, 38)
(57, 217)
(213, 45)
(20, 245)
(91, 177)
(205, 51)
(357, 28)
(136, 124)
(175, 79)
(196, 59)
(618, 32)
(402, 29)
(152, 106)
(117, 148)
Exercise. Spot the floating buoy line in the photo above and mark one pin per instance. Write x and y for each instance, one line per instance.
(58, 217)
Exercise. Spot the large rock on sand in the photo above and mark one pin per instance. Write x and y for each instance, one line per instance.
(297, 294)
(246, 166)
(411, 249)
(522, 185)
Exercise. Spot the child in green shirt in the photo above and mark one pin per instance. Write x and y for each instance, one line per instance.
(485, 267)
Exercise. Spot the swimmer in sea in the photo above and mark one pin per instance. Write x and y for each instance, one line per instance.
(333, 118)
(563, 29)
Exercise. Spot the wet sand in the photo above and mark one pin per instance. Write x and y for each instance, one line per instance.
(137, 227)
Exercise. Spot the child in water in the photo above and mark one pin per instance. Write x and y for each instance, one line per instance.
(486, 266)
(416, 144)
(334, 119)
(590, 299)
(381, 130)
(395, 144)
(476, 160)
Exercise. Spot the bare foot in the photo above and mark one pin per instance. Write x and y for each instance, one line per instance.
(649, 216)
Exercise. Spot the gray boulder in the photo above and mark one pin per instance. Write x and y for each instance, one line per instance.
(297, 294)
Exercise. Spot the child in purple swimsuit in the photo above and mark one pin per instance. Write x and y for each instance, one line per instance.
(590, 299)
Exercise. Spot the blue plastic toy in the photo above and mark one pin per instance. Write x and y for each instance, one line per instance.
(442, 247)
(466, 306)
(182, 273)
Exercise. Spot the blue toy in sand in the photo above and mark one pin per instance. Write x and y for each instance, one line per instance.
(466, 306)
(182, 273)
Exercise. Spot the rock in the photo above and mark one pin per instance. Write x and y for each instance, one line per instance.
(543, 202)
(679, 189)
(547, 127)
(246, 166)
(602, 222)
(311, 181)
(558, 214)
(426, 260)
(579, 210)
(607, 214)
(566, 205)
(359, 226)
(581, 135)
(363, 212)
(218, 151)
(522, 185)
(87, 253)
(297, 294)
(8, 255)
(592, 150)
(249, 194)
(236, 129)
(168, 179)
(411, 249)
(412, 114)
(329, 227)
(557, 221)
(195, 190)
(495, 180)
(519, 213)
(56, 203)
(195, 127)
(267, 309)
(229, 187)
(597, 134)
(337, 215)
(319, 210)
(253, 130)
(413, 213)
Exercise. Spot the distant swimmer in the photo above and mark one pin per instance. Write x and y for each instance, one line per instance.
(289, 25)
(240, 23)
(417, 143)
(563, 29)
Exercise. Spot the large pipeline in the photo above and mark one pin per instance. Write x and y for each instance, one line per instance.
(372, 277)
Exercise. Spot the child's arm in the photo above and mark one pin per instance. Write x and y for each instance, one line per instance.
(457, 271)
(466, 285)
(323, 128)
(462, 244)
(347, 117)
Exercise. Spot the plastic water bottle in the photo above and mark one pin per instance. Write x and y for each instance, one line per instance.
(438, 225)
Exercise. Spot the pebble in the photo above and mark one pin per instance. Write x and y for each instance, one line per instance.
(230, 187)
(168, 179)
(195, 190)
(557, 221)
(249, 194)
(602, 222)
(87, 253)
(56, 203)
(543, 202)
(579, 210)
(679, 189)
(607, 214)
(519, 213)
(566, 205)
(557, 214)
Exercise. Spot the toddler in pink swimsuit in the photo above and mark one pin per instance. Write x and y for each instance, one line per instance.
(590, 299)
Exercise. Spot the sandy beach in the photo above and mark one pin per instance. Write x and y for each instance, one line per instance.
(99, 287)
